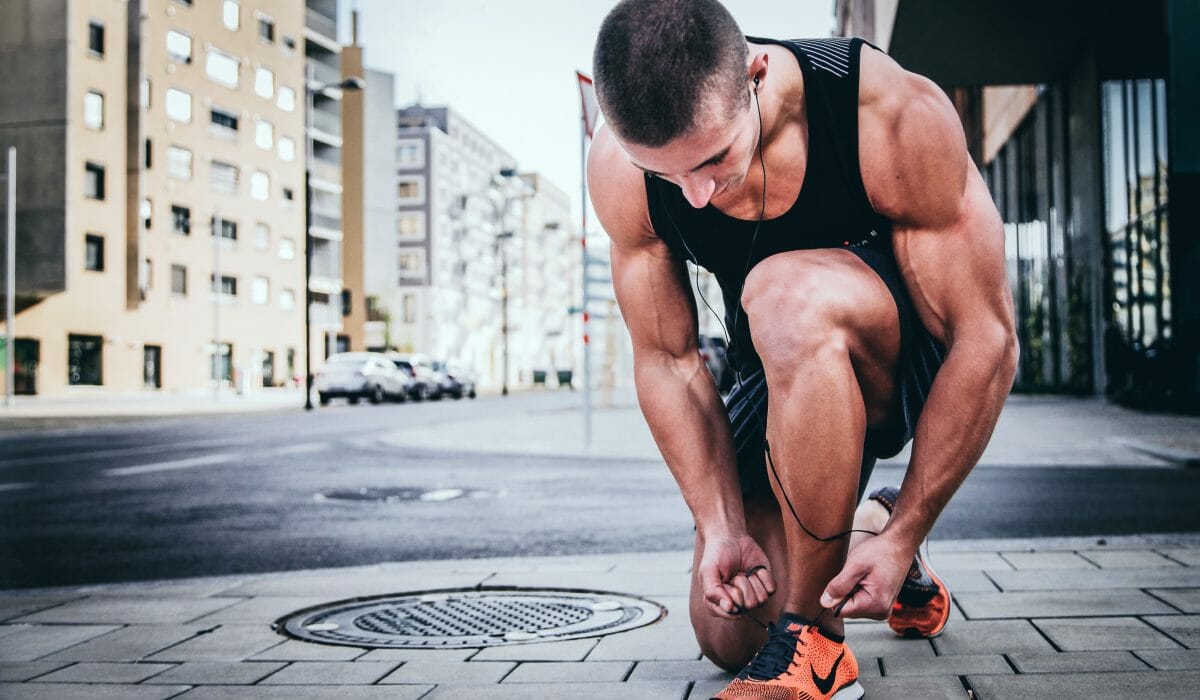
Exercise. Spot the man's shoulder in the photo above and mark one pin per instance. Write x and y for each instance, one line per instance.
(618, 190)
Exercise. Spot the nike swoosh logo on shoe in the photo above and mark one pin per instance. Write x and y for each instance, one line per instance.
(826, 684)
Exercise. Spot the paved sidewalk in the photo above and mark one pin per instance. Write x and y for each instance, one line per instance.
(1033, 619)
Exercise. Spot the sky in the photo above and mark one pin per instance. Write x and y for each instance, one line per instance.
(508, 66)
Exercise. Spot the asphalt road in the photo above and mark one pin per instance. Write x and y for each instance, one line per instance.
(107, 501)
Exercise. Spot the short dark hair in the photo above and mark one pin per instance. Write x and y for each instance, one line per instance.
(656, 60)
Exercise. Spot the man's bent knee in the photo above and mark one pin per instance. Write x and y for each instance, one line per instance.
(794, 311)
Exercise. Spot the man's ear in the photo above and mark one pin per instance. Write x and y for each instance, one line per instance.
(756, 68)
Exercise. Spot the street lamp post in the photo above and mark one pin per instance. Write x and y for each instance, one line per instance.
(500, 239)
(311, 89)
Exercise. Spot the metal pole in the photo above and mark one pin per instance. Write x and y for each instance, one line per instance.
(10, 280)
(308, 158)
(218, 289)
(504, 311)
(587, 351)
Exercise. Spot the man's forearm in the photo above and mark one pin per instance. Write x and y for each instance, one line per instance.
(690, 426)
(956, 423)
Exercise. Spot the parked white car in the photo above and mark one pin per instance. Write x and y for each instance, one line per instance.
(359, 375)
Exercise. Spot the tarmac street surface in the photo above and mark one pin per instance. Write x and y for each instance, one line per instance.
(1072, 550)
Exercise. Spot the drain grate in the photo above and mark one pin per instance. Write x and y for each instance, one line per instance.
(471, 618)
(399, 495)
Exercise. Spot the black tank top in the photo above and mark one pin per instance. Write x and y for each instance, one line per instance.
(831, 211)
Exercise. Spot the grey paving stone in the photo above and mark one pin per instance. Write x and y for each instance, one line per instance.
(226, 643)
(1075, 661)
(262, 609)
(104, 672)
(1081, 580)
(1172, 659)
(572, 650)
(570, 672)
(419, 655)
(307, 692)
(933, 688)
(1025, 604)
(14, 605)
(85, 691)
(977, 561)
(1048, 560)
(1186, 599)
(208, 586)
(877, 640)
(663, 562)
(339, 585)
(294, 650)
(566, 691)
(703, 670)
(659, 642)
(996, 636)
(1189, 556)
(18, 671)
(649, 584)
(1087, 686)
(704, 690)
(129, 610)
(218, 673)
(470, 672)
(1128, 559)
(963, 580)
(1184, 629)
(331, 673)
(957, 665)
(35, 641)
(131, 643)
(1100, 633)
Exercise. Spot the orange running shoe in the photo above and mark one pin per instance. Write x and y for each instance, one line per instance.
(922, 607)
(798, 662)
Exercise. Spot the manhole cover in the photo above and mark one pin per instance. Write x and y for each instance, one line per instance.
(399, 495)
(473, 618)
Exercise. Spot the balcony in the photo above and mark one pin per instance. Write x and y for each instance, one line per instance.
(320, 24)
(327, 172)
(325, 74)
(327, 123)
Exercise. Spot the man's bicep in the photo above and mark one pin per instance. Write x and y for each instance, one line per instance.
(652, 291)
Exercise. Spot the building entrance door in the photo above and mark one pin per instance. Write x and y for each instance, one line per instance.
(152, 367)
(27, 356)
(268, 369)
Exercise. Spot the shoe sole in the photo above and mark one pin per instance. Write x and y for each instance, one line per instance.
(913, 632)
(854, 691)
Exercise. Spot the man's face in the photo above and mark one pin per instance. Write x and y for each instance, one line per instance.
(709, 161)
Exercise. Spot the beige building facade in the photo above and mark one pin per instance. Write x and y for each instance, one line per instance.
(182, 190)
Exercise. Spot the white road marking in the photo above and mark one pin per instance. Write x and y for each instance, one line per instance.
(115, 452)
(15, 486)
(219, 458)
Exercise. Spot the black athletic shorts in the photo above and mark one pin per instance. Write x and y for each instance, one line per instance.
(920, 357)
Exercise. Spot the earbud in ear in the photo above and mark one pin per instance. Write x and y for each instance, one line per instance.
(756, 81)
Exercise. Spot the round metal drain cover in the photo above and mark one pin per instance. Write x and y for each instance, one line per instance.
(399, 495)
(471, 618)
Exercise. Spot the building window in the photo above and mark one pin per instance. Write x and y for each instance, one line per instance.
(179, 46)
(94, 252)
(260, 185)
(231, 15)
(410, 154)
(262, 236)
(287, 249)
(179, 162)
(287, 149)
(266, 29)
(287, 99)
(264, 134)
(222, 68)
(223, 177)
(147, 154)
(260, 290)
(411, 226)
(147, 212)
(93, 110)
(179, 280)
(409, 308)
(220, 364)
(179, 105)
(264, 82)
(409, 190)
(289, 194)
(181, 220)
(187, 3)
(145, 276)
(287, 300)
(93, 182)
(412, 263)
(223, 228)
(226, 287)
(96, 37)
(223, 123)
(144, 94)
(289, 43)
(83, 360)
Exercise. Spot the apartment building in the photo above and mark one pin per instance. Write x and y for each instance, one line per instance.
(1081, 119)
(160, 219)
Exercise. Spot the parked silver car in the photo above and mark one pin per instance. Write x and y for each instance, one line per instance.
(426, 383)
(358, 375)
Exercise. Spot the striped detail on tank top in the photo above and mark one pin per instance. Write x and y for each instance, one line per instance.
(830, 55)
